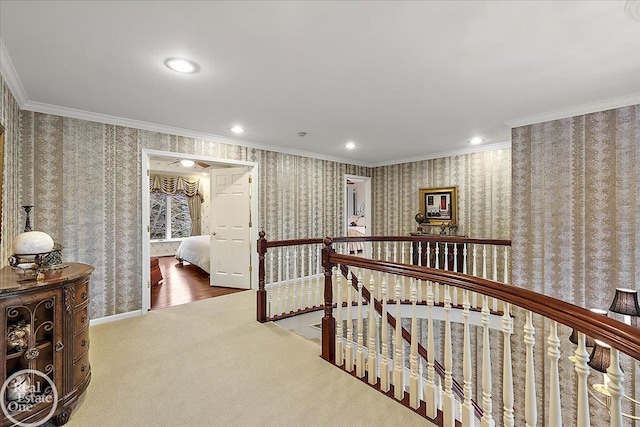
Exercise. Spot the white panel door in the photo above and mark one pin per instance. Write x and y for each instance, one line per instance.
(230, 231)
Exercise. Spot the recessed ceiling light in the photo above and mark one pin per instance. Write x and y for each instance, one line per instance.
(477, 140)
(350, 145)
(182, 65)
(237, 129)
(187, 163)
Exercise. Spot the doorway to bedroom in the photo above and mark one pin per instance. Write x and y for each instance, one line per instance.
(182, 283)
(357, 211)
(185, 218)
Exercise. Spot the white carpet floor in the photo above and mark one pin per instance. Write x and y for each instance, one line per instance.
(209, 363)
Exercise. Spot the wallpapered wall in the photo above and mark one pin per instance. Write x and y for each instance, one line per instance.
(576, 216)
(484, 193)
(84, 179)
(10, 119)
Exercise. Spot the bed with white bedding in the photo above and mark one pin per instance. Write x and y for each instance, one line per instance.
(357, 228)
(196, 250)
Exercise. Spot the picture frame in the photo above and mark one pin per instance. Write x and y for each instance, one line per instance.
(439, 205)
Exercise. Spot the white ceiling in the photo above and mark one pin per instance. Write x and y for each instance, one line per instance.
(403, 80)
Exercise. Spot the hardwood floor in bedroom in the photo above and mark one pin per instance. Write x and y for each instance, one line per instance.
(183, 284)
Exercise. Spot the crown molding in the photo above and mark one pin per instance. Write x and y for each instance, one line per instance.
(39, 107)
(11, 77)
(470, 150)
(578, 110)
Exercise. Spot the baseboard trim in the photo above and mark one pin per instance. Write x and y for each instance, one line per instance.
(115, 317)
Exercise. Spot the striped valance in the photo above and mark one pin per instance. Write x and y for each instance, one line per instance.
(175, 184)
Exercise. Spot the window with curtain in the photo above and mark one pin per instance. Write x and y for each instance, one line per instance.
(175, 207)
(170, 216)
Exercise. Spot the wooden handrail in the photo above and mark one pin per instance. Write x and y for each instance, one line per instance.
(424, 238)
(263, 245)
(296, 242)
(617, 334)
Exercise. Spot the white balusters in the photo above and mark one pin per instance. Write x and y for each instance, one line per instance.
(581, 357)
(360, 349)
(487, 404)
(495, 274)
(474, 272)
(445, 259)
(310, 302)
(348, 351)
(555, 411)
(448, 399)
(414, 383)
(495, 264)
(272, 310)
(303, 279)
(431, 391)
(484, 261)
(615, 389)
(280, 303)
(286, 283)
(398, 358)
(455, 259)
(454, 298)
(507, 372)
(530, 408)
(319, 277)
(384, 334)
(464, 259)
(339, 332)
(294, 297)
(468, 415)
(506, 265)
(372, 348)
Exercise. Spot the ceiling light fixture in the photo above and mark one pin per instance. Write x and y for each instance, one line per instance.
(632, 9)
(477, 140)
(237, 129)
(350, 145)
(187, 163)
(182, 65)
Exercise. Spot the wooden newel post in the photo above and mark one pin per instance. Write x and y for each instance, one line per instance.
(328, 321)
(261, 309)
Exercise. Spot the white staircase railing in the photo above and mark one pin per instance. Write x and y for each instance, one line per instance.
(453, 347)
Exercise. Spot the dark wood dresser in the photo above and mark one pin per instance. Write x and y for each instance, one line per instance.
(46, 335)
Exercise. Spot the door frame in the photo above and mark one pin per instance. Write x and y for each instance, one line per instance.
(145, 283)
(367, 201)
